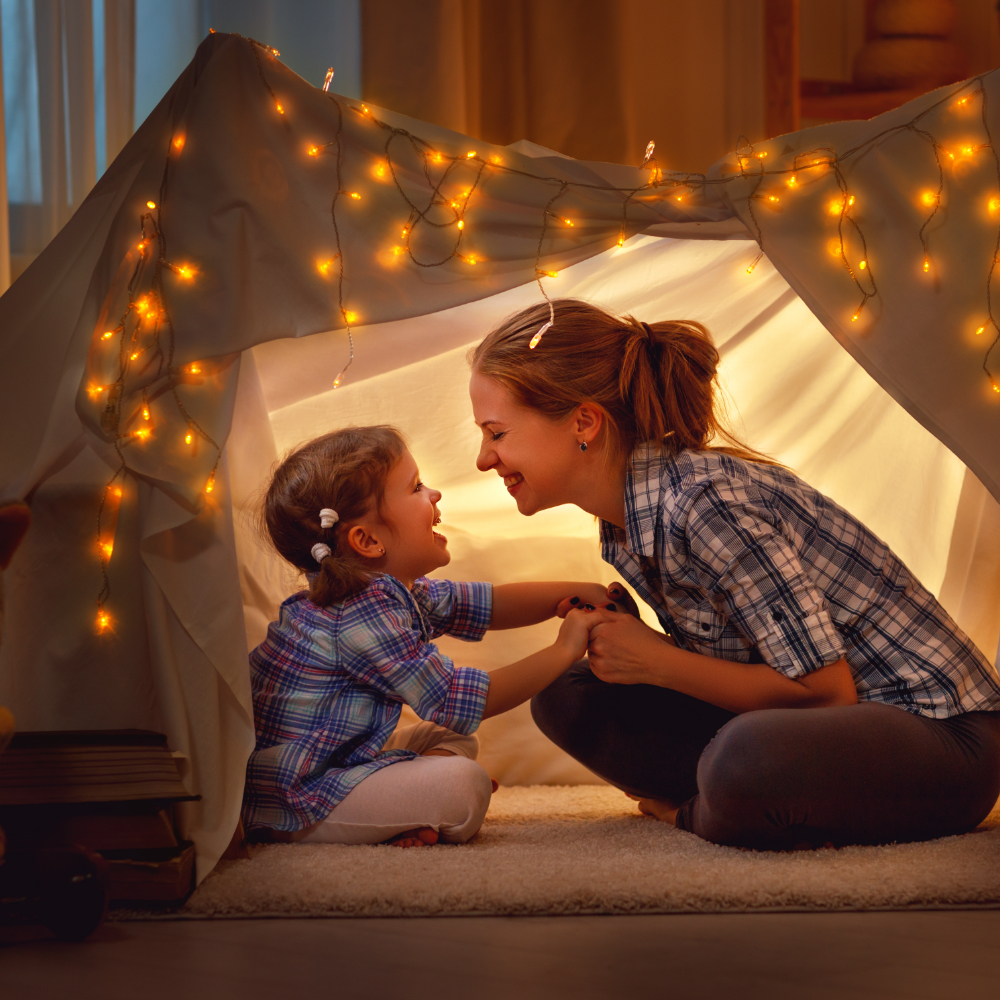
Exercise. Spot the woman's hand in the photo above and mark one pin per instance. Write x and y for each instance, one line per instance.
(574, 633)
(595, 595)
(624, 650)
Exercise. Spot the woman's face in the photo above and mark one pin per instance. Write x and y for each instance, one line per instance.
(538, 458)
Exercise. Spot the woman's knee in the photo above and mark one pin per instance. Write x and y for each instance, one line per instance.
(566, 709)
(466, 790)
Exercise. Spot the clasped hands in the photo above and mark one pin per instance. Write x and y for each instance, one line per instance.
(605, 626)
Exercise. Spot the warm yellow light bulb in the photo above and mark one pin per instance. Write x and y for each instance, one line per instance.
(836, 207)
(855, 317)
(117, 491)
(928, 197)
(495, 160)
(178, 143)
(621, 241)
(281, 110)
(436, 157)
(150, 204)
(189, 437)
(323, 266)
(142, 433)
(210, 485)
(772, 198)
(549, 274)
(471, 259)
(94, 390)
(850, 201)
(569, 222)
(145, 411)
(863, 264)
(185, 271)
(107, 335)
(980, 330)
(967, 150)
(364, 108)
(314, 150)
(107, 548)
(760, 156)
(134, 355)
(355, 195)
(927, 264)
(461, 224)
(994, 204)
(380, 170)
(404, 232)
(103, 620)
(350, 316)
(469, 155)
(398, 250)
(793, 181)
(194, 369)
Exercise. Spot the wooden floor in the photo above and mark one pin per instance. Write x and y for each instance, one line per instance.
(912, 956)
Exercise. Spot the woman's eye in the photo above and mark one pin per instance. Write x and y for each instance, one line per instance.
(498, 435)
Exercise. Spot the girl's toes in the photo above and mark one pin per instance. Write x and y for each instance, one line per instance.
(426, 836)
(494, 783)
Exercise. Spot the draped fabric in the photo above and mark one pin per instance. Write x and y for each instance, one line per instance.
(230, 322)
(551, 71)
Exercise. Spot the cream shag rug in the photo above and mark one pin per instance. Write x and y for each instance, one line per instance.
(584, 849)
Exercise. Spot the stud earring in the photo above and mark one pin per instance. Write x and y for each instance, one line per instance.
(583, 446)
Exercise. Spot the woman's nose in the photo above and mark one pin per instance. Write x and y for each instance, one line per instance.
(487, 457)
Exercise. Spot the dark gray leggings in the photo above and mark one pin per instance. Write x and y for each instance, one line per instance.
(861, 774)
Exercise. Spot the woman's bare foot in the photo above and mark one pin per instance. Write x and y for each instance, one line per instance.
(659, 809)
(424, 837)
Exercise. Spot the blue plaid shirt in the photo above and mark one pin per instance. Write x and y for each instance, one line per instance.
(743, 561)
(329, 685)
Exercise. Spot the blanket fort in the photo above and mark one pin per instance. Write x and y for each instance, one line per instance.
(256, 233)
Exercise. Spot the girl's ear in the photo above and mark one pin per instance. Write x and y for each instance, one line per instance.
(364, 543)
(587, 422)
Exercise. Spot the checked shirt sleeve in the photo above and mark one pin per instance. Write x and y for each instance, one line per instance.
(754, 574)
(382, 649)
(463, 610)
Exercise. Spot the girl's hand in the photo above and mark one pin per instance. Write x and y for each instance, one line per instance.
(624, 650)
(622, 600)
(574, 634)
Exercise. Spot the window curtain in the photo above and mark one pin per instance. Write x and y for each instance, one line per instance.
(53, 123)
(593, 79)
(4, 214)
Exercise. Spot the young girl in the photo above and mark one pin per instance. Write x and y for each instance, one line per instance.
(329, 681)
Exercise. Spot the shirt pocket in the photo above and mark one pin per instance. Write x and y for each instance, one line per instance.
(709, 632)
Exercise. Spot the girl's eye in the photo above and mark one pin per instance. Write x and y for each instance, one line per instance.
(419, 487)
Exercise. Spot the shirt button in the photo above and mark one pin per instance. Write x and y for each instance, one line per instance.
(778, 615)
(705, 626)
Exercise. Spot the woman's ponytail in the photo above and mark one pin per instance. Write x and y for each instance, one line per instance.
(655, 382)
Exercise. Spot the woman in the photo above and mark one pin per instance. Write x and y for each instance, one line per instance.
(808, 688)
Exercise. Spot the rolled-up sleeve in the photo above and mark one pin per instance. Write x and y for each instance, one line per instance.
(382, 649)
(452, 607)
(754, 575)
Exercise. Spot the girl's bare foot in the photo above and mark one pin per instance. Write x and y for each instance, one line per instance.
(424, 837)
(659, 809)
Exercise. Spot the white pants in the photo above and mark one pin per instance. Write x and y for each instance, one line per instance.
(448, 794)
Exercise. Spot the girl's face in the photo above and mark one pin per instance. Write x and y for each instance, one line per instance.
(412, 547)
(538, 458)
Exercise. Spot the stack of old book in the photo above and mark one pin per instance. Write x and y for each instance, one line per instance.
(110, 791)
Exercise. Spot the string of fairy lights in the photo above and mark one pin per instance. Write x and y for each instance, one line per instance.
(144, 365)
(844, 206)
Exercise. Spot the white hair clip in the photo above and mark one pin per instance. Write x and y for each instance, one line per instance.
(328, 518)
(320, 551)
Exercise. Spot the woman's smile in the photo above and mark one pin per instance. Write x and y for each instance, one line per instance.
(512, 482)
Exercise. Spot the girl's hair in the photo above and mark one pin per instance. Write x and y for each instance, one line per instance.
(345, 470)
(654, 382)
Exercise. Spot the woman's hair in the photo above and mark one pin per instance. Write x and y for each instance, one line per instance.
(346, 471)
(654, 382)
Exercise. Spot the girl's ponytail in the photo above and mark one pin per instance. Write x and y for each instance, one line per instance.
(316, 494)
(655, 382)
